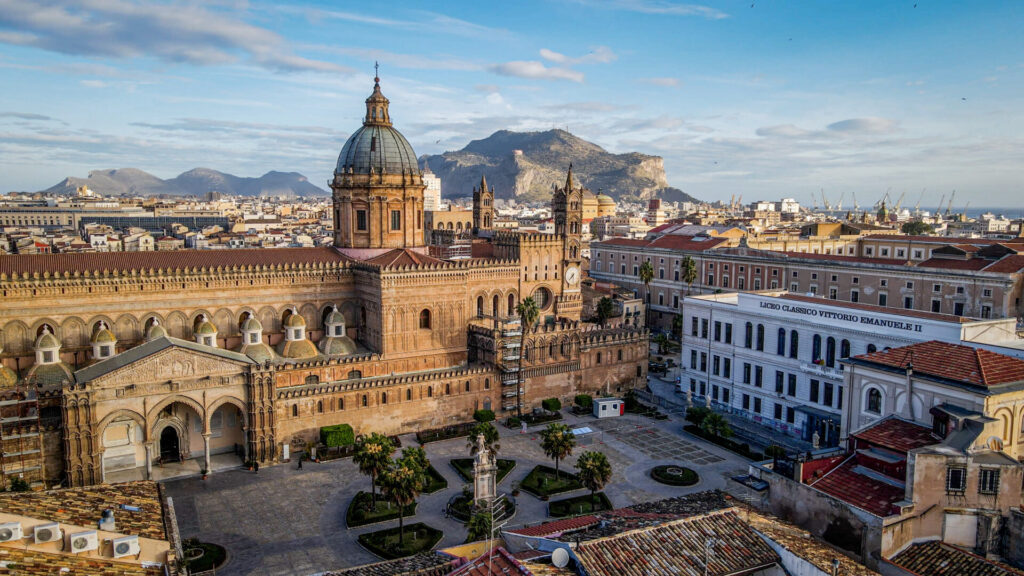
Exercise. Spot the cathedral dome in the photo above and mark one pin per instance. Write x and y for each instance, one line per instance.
(377, 147)
(103, 336)
(295, 320)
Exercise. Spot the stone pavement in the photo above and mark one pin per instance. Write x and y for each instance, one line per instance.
(284, 521)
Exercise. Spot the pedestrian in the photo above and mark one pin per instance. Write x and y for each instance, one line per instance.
(256, 467)
(300, 463)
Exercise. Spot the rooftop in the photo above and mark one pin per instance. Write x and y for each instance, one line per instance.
(802, 544)
(937, 559)
(952, 362)
(37, 563)
(423, 564)
(897, 434)
(847, 483)
(879, 309)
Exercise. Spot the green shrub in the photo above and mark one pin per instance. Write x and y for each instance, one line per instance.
(514, 422)
(775, 451)
(337, 435)
(484, 415)
(697, 414)
(19, 485)
(584, 401)
(674, 475)
(551, 404)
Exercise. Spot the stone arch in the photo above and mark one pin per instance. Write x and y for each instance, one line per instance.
(269, 318)
(496, 303)
(122, 413)
(227, 400)
(37, 329)
(154, 412)
(177, 325)
(351, 311)
(310, 314)
(126, 328)
(1005, 417)
(15, 337)
(867, 402)
(75, 333)
(224, 320)
(194, 320)
(241, 315)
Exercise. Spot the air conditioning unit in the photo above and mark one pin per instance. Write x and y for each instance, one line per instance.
(10, 531)
(126, 546)
(47, 533)
(84, 541)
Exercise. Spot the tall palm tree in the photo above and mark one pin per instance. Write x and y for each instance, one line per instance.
(373, 456)
(689, 273)
(594, 471)
(557, 441)
(605, 308)
(646, 275)
(401, 483)
(716, 424)
(479, 526)
(490, 434)
(528, 313)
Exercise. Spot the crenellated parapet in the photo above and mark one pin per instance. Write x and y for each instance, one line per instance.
(357, 384)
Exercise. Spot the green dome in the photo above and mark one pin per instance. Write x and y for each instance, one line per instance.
(335, 317)
(156, 331)
(295, 320)
(377, 147)
(298, 349)
(8, 377)
(47, 340)
(251, 324)
(337, 346)
(103, 336)
(206, 328)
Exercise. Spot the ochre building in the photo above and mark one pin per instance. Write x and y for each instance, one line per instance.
(115, 363)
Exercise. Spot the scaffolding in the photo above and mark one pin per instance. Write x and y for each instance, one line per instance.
(21, 438)
(510, 360)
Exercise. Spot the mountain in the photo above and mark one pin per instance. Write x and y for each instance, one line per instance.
(195, 182)
(524, 165)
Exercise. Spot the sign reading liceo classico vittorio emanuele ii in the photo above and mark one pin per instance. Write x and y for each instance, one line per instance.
(853, 316)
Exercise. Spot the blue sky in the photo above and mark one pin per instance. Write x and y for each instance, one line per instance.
(757, 98)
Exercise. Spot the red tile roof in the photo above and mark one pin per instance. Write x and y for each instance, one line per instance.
(934, 239)
(881, 309)
(842, 259)
(953, 362)
(499, 562)
(557, 526)
(864, 492)
(670, 242)
(938, 559)
(402, 257)
(1009, 264)
(897, 434)
(678, 549)
(99, 261)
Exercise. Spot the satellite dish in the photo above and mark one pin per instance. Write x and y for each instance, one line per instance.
(560, 558)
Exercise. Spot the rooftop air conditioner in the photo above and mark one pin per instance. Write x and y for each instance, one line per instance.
(126, 546)
(10, 531)
(84, 541)
(47, 533)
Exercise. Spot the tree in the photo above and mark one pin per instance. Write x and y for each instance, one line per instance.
(677, 327)
(528, 313)
(646, 275)
(373, 456)
(490, 434)
(479, 526)
(557, 441)
(402, 481)
(715, 423)
(605, 308)
(594, 471)
(689, 273)
(418, 456)
(661, 340)
(916, 228)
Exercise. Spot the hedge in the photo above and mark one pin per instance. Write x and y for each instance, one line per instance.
(551, 404)
(585, 401)
(484, 415)
(743, 449)
(337, 435)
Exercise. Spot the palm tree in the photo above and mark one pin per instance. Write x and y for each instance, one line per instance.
(557, 441)
(689, 273)
(401, 483)
(373, 456)
(418, 456)
(594, 471)
(479, 526)
(661, 340)
(646, 275)
(605, 308)
(528, 313)
(490, 434)
(715, 423)
(677, 326)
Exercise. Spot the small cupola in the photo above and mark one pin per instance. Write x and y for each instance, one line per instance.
(104, 343)
(156, 331)
(334, 324)
(47, 348)
(206, 332)
(377, 105)
(252, 330)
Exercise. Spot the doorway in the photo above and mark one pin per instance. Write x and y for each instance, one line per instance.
(170, 448)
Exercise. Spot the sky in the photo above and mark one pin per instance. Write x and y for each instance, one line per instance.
(759, 99)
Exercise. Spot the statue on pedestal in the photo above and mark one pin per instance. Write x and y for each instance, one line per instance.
(485, 474)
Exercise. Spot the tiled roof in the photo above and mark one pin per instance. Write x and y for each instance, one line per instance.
(402, 257)
(949, 264)
(841, 259)
(864, 492)
(36, 563)
(937, 559)
(933, 239)
(673, 242)
(424, 564)
(678, 549)
(99, 261)
(897, 434)
(556, 527)
(499, 563)
(953, 362)
(1009, 264)
(881, 309)
(803, 544)
(83, 506)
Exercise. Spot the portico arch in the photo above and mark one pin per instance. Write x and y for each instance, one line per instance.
(154, 412)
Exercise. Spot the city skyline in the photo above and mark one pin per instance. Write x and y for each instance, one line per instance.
(761, 99)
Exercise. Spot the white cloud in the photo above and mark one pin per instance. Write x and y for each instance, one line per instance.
(598, 55)
(863, 126)
(663, 7)
(536, 70)
(662, 81)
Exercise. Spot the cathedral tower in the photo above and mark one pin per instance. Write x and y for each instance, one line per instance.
(483, 209)
(567, 207)
(377, 186)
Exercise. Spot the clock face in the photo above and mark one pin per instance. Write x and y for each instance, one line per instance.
(572, 275)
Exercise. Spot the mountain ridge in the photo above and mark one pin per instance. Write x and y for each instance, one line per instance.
(194, 182)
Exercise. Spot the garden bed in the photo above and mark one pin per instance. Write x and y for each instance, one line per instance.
(673, 475)
(384, 543)
(542, 483)
(435, 481)
(464, 466)
(360, 514)
(203, 556)
(446, 433)
(514, 422)
(742, 449)
(578, 505)
(461, 508)
(335, 452)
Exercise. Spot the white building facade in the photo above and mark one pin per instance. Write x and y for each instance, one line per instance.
(775, 357)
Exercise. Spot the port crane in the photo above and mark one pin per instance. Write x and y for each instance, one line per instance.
(950, 205)
(917, 207)
(899, 202)
(828, 207)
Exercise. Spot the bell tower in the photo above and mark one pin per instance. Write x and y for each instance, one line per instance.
(567, 207)
(483, 209)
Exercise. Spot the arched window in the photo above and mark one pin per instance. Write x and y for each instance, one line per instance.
(494, 305)
(479, 305)
(748, 336)
(620, 355)
(355, 374)
(319, 406)
(408, 394)
(551, 350)
(830, 352)
(341, 403)
(563, 349)
(780, 346)
(447, 389)
(365, 401)
(487, 383)
(383, 397)
(467, 385)
(816, 348)
(872, 348)
(295, 410)
(425, 319)
(760, 337)
(874, 404)
(430, 392)
(844, 349)
(511, 304)
(794, 344)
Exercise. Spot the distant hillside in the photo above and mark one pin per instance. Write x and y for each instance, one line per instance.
(195, 182)
(544, 158)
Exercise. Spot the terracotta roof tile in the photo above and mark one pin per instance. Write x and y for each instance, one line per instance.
(935, 558)
(864, 492)
(950, 264)
(83, 506)
(1009, 264)
(423, 564)
(99, 261)
(897, 434)
(556, 527)
(841, 259)
(402, 257)
(499, 562)
(37, 563)
(670, 242)
(954, 362)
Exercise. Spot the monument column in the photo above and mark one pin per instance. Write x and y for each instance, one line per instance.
(206, 451)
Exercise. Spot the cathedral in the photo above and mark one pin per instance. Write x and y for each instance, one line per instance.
(114, 363)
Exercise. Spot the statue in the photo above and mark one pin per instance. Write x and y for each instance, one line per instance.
(816, 440)
(485, 474)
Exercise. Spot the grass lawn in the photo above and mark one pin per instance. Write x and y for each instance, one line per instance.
(579, 505)
(464, 466)
(418, 538)
(541, 482)
(674, 475)
(435, 481)
(359, 514)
